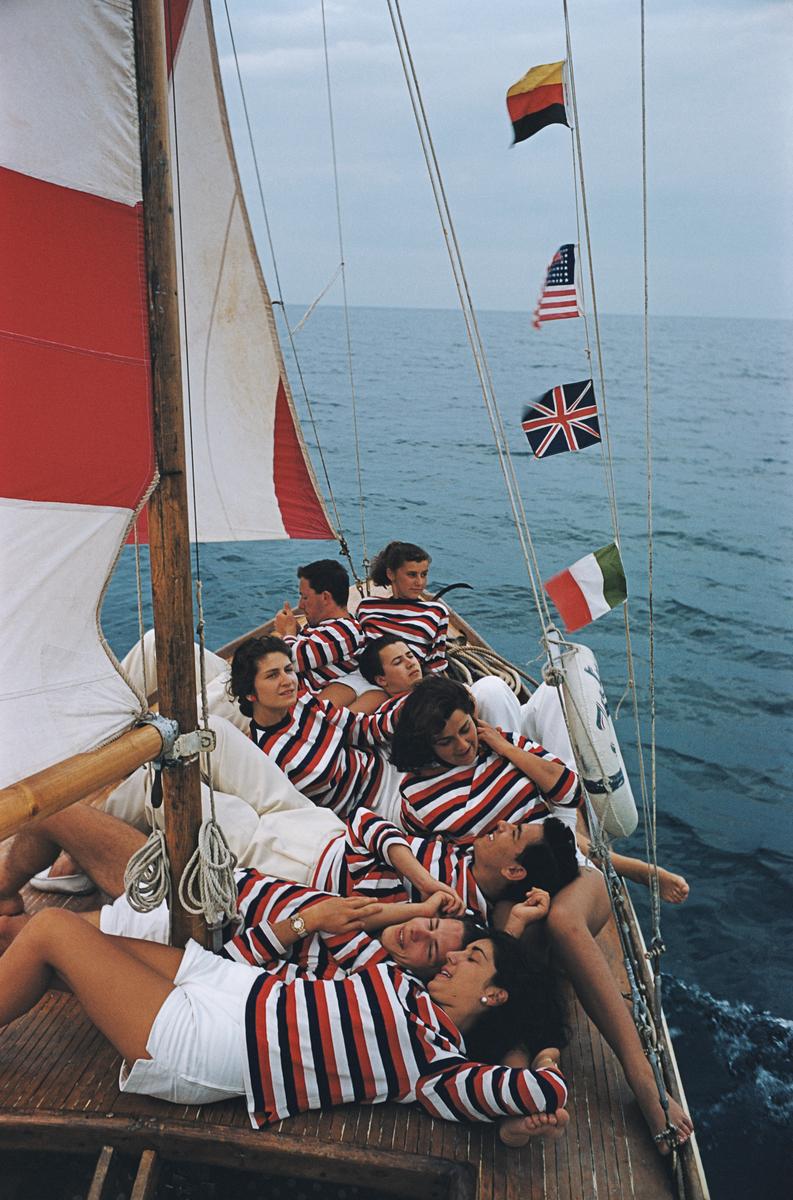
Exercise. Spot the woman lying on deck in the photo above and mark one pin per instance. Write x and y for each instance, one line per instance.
(197, 1028)
(464, 777)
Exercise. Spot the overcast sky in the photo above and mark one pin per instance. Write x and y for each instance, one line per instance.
(720, 97)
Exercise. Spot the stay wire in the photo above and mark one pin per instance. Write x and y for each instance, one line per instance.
(340, 534)
(468, 312)
(342, 261)
(652, 840)
(608, 460)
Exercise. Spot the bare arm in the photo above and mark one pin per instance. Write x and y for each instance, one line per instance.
(544, 772)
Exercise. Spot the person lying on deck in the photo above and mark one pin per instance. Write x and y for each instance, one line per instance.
(194, 1028)
(366, 856)
(326, 648)
(463, 777)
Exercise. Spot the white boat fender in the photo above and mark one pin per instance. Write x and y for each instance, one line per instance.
(594, 739)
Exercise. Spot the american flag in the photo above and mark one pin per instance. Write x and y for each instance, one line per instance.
(558, 298)
(566, 418)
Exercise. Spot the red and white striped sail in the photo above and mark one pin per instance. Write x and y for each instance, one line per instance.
(77, 457)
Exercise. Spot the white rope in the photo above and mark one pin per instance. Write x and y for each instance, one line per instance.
(348, 334)
(469, 316)
(314, 303)
(147, 876)
(340, 535)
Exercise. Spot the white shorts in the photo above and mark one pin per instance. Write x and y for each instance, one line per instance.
(197, 1041)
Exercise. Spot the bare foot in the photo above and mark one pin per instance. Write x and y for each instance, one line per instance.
(656, 1119)
(673, 888)
(11, 905)
(517, 1131)
(10, 927)
(66, 865)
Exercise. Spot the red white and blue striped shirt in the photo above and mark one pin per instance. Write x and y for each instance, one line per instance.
(262, 901)
(422, 624)
(330, 754)
(325, 651)
(358, 863)
(373, 1036)
(464, 802)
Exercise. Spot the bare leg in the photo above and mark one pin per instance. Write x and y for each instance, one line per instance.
(121, 985)
(338, 694)
(674, 888)
(578, 913)
(103, 843)
(368, 702)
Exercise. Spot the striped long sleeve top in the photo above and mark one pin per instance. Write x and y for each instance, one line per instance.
(262, 901)
(372, 1037)
(359, 863)
(326, 651)
(423, 624)
(330, 754)
(464, 802)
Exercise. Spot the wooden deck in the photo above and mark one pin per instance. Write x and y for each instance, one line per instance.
(58, 1091)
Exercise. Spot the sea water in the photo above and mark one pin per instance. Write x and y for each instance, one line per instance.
(722, 508)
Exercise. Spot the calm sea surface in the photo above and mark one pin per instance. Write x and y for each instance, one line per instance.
(723, 517)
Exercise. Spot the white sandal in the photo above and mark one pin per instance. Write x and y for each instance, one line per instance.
(69, 885)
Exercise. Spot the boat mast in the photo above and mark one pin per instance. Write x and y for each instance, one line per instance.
(169, 537)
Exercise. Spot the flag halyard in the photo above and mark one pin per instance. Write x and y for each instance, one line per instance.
(566, 418)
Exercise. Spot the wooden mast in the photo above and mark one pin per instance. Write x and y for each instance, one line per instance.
(169, 539)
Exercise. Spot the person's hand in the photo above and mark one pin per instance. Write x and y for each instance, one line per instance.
(492, 737)
(285, 621)
(534, 908)
(549, 1057)
(439, 898)
(338, 914)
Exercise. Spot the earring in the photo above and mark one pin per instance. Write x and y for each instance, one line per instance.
(483, 1000)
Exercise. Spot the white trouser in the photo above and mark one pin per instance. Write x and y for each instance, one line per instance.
(540, 719)
(247, 784)
(141, 663)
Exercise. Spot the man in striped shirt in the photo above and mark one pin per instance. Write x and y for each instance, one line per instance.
(326, 648)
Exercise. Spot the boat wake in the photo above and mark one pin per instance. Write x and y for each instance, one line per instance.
(738, 1065)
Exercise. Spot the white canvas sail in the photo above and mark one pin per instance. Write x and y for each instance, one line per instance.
(77, 457)
(254, 478)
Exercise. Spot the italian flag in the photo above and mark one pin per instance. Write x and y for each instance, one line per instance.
(589, 588)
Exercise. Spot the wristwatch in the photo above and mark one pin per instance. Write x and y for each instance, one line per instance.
(298, 925)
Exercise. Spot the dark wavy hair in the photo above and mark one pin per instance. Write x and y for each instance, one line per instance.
(550, 864)
(327, 575)
(245, 664)
(392, 557)
(532, 1016)
(423, 716)
(369, 662)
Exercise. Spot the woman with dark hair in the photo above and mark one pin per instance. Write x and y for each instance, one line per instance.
(462, 789)
(196, 1028)
(422, 624)
(465, 776)
(329, 754)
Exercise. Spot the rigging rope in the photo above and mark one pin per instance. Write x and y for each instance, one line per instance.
(494, 415)
(356, 438)
(340, 534)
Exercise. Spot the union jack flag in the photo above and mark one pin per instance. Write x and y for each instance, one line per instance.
(566, 418)
(558, 298)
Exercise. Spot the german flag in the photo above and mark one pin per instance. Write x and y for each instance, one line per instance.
(537, 100)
